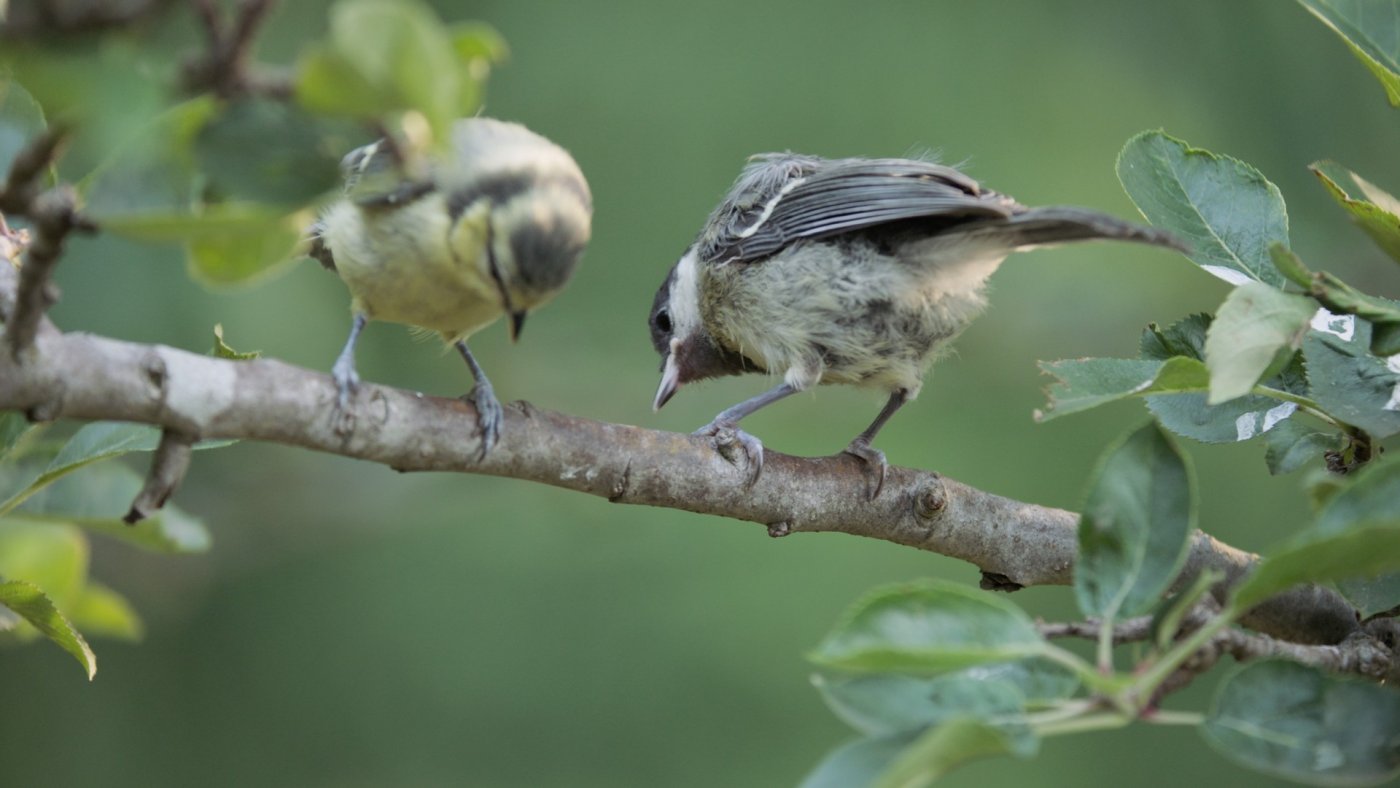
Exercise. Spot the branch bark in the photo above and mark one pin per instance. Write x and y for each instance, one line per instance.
(86, 377)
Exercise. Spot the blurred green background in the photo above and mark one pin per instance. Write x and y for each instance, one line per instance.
(354, 626)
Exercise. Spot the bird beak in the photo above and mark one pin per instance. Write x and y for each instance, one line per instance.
(670, 382)
(517, 322)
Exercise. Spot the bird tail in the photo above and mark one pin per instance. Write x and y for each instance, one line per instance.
(1061, 224)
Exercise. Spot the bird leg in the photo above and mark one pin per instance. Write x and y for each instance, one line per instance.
(875, 464)
(343, 371)
(489, 415)
(728, 421)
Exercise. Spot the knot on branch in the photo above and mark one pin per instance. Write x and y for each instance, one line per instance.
(930, 499)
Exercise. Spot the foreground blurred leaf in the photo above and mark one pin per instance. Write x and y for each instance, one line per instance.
(101, 612)
(1090, 382)
(97, 498)
(889, 703)
(949, 745)
(1225, 210)
(13, 428)
(1291, 445)
(53, 557)
(1373, 496)
(383, 57)
(1296, 722)
(1357, 534)
(1253, 335)
(267, 152)
(1371, 30)
(857, 764)
(1347, 381)
(152, 174)
(928, 626)
(28, 600)
(21, 120)
(1378, 215)
(1132, 534)
(239, 244)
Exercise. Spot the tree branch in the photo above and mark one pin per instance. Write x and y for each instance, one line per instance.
(88, 377)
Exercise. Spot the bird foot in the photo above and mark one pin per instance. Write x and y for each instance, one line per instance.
(728, 437)
(489, 415)
(875, 466)
(347, 381)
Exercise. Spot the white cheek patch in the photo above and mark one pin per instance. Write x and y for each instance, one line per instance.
(685, 297)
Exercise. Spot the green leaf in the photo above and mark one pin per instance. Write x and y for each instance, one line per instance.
(1357, 534)
(1371, 30)
(1365, 548)
(152, 174)
(945, 747)
(1253, 336)
(1133, 532)
(1296, 722)
(29, 601)
(858, 763)
(1291, 445)
(93, 442)
(1090, 382)
(478, 47)
(1347, 381)
(929, 626)
(1186, 337)
(53, 557)
(384, 57)
(101, 612)
(241, 244)
(222, 350)
(1378, 216)
(21, 120)
(1224, 209)
(13, 429)
(96, 500)
(1373, 495)
(889, 703)
(268, 152)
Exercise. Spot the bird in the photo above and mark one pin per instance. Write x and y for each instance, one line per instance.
(854, 271)
(493, 225)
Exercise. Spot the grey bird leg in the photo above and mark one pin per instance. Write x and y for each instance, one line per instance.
(489, 415)
(343, 371)
(874, 458)
(729, 420)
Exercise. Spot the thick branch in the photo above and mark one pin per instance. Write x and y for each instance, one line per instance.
(88, 377)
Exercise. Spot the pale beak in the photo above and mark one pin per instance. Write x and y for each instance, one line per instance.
(670, 382)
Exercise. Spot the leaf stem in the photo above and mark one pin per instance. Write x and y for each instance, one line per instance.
(1164, 717)
(1308, 406)
(1142, 688)
(1102, 721)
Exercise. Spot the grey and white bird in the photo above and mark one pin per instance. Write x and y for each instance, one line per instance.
(493, 226)
(852, 271)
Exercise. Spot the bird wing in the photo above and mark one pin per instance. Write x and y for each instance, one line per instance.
(821, 199)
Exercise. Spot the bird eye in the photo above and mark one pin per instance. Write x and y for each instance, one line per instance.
(663, 321)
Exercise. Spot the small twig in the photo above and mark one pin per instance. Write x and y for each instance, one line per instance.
(226, 68)
(168, 469)
(24, 181)
(1363, 653)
